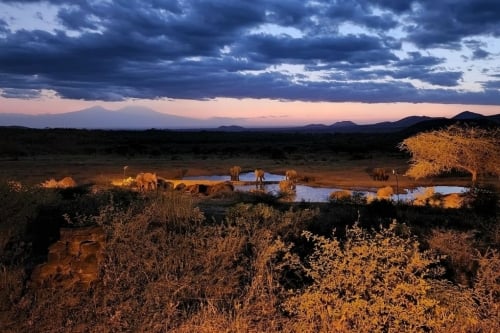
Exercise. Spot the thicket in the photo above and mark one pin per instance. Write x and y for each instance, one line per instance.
(170, 266)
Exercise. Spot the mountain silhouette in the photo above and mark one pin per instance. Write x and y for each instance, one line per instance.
(140, 118)
(97, 117)
(467, 115)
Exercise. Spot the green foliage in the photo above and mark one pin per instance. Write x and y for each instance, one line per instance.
(373, 282)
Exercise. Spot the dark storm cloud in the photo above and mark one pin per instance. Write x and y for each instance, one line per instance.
(492, 85)
(202, 49)
(350, 48)
(445, 23)
(3, 26)
(477, 49)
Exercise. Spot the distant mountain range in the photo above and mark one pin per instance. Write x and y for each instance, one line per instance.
(141, 118)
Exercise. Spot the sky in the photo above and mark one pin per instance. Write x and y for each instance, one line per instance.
(266, 61)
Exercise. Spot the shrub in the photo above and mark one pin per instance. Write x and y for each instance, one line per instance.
(487, 289)
(385, 192)
(484, 200)
(19, 207)
(374, 282)
(458, 249)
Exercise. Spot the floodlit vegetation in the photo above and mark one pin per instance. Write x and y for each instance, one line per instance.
(250, 262)
(470, 149)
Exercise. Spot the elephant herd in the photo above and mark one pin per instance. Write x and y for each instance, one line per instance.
(234, 172)
(147, 181)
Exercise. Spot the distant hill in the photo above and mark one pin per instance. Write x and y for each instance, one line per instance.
(468, 115)
(231, 128)
(140, 118)
(462, 118)
(343, 124)
(351, 127)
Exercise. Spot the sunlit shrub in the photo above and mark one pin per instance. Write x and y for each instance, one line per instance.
(385, 192)
(487, 289)
(371, 283)
(458, 249)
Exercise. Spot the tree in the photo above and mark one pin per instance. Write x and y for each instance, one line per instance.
(471, 149)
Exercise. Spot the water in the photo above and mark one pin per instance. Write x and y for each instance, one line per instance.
(244, 177)
(322, 194)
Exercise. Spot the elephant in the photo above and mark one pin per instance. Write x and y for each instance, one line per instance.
(146, 181)
(291, 175)
(235, 173)
(259, 176)
(380, 174)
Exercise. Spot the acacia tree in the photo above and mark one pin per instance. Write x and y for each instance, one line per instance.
(471, 149)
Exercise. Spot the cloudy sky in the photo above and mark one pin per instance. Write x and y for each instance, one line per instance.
(286, 61)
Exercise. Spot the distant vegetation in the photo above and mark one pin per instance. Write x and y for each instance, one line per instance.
(19, 142)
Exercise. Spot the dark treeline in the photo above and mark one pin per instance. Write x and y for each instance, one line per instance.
(24, 142)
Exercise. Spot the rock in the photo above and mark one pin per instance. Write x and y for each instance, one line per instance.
(225, 187)
(340, 195)
(73, 260)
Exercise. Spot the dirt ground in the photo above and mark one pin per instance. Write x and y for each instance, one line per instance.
(333, 172)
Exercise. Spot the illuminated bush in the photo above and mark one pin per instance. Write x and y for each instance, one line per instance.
(372, 282)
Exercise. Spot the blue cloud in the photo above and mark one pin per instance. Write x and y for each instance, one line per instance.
(201, 49)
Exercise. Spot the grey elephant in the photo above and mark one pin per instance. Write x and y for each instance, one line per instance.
(259, 176)
(146, 181)
(235, 172)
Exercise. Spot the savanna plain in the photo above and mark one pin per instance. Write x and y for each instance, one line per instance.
(103, 254)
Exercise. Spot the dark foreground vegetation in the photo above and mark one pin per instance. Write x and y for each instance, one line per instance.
(240, 262)
(250, 263)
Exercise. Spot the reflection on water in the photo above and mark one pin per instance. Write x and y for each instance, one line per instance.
(321, 194)
(244, 177)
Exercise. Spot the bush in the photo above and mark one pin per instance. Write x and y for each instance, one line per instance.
(374, 282)
(487, 289)
(484, 200)
(458, 249)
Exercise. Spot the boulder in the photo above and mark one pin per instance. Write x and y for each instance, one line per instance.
(73, 260)
(340, 195)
